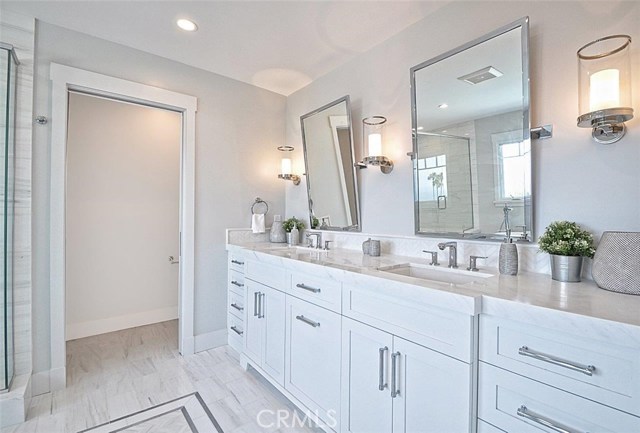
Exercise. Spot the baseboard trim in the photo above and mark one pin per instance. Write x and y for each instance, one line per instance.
(210, 340)
(40, 383)
(15, 403)
(111, 324)
(57, 379)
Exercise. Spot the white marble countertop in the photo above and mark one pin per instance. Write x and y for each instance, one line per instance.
(490, 294)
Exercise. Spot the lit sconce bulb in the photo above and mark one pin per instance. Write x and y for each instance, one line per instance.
(604, 89)
(375, 144)
(285, 166)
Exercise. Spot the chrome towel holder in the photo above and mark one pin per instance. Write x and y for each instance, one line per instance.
(258, 201)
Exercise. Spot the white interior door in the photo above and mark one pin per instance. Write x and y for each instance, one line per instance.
(122, 215)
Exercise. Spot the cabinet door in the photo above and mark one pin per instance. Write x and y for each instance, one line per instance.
(434, 391)
(272, 312)
(365, 369)
(253, 332)
(313, 354)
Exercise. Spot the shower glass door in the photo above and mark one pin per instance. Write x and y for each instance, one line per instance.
(8, 70)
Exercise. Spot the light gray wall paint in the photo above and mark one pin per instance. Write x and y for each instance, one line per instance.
(574, 178)
(238, 128)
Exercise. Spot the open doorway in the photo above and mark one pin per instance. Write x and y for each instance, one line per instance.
(122, 215)
(67, 81)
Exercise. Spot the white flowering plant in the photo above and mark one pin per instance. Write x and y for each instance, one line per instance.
(566, 238)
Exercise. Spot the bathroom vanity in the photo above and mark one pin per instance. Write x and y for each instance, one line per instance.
(362, 349)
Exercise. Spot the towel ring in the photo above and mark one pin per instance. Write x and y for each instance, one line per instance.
(259, 201)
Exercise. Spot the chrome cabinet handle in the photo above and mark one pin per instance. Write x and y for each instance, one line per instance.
(173, 260)
(261, 309)
(236, 330)
(539, 419)
(255, 303)
(236, 262)
(394, 372)
(235, 283)
(237, 307)
(308, 321)
(381, 383)
(305, 287)
(585, 369)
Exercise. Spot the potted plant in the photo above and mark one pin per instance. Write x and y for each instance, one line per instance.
(292, 227)
(567, 244)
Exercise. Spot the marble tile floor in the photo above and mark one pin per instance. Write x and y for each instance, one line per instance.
(112, 375)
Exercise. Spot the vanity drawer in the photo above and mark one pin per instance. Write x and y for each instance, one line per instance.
(236, 304)
(512, 403)
(485, 427)
(236, 281)
(438, 329)
(323, 292)
(235, 328)
(563, 360)
(236, 262)
(269, 275)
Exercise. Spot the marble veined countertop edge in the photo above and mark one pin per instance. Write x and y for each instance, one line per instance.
(527, 289)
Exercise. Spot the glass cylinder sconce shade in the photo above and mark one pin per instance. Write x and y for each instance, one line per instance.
(605, 87)
(372, 139)
(286, 167)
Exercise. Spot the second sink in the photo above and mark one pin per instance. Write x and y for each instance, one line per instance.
(443, 275)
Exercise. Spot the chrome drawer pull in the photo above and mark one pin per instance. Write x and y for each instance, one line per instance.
(305, 287)
(585, 369)
(308, 321)
(553, 425)
(394, 372)
(381, 383)
(236, 262)
(235, 283)
(255, 304)
(237, 307)
(236, 330)
(261, 310)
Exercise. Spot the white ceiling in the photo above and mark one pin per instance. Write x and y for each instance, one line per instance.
(280, 46)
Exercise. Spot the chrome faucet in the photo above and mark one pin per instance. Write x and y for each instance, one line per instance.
(453, 252)
(318, 240)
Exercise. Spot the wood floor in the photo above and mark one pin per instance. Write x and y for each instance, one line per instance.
(112, 375)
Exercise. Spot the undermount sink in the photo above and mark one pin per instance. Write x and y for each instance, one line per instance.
(433, 273)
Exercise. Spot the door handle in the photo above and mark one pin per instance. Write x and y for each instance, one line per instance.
(394, 372)
(235, 283)
(584, 369)
(237, 307)
(308, 288)
(544, 421)
(261, 308)
(308, 321)
(173, 260)
(381, 383)
(236, 330)
(255, 303)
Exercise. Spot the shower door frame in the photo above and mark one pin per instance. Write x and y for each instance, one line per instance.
(65, 79)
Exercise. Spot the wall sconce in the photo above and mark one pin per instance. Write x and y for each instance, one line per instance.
(372, 134)
(285, 167)
(605, 87)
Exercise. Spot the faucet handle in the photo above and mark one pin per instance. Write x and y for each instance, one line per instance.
(434, 257)
(326, 245)
(472, 263)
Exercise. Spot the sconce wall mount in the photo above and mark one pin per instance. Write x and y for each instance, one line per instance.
(285, 167)
(372, 138)
(605, 87)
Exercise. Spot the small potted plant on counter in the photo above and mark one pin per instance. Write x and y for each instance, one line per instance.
(292, 227)
(567, 244)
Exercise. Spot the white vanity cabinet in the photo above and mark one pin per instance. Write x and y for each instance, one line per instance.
(313, 358)
(235, 300)
(393, 385)
(264, 336)
(552, 371)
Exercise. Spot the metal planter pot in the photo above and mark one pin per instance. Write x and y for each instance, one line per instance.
(566, 269)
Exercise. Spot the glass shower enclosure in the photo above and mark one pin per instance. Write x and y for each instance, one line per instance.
(8, 74)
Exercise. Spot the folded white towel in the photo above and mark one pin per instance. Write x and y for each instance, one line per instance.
(257, 223)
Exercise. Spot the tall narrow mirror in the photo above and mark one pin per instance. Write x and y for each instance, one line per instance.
(471, 139)
(332, 184)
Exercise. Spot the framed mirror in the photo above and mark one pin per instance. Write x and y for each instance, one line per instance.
(471, 139)
(332, 184)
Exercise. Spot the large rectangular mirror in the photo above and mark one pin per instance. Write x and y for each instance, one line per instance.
(332, 184)
(471, 139)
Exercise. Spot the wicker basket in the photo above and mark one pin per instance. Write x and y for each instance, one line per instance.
(616, 265)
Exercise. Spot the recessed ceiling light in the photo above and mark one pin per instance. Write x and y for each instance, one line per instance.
(443, 105)
(187, 25)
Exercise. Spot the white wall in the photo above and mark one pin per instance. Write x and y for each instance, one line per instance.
(574, 178)
(122, 215)
(238, 128)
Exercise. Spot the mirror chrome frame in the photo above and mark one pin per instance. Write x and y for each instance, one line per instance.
(354, 227)
(522, 23)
